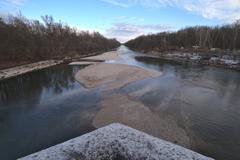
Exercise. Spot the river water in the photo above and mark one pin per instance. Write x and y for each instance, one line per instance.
(47, 107)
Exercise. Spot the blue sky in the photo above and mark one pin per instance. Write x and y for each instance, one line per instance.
(127, 19)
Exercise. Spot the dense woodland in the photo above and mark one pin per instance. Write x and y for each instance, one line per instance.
(226, 37)
(30, 40)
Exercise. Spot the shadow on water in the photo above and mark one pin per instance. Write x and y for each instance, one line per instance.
(43, 108)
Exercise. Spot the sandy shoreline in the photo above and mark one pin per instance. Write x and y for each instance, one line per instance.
(15, 71)
(108, 56)
(82, 63)
(26, 68)
(113, 55)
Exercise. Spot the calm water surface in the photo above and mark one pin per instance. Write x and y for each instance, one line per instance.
(43, 108)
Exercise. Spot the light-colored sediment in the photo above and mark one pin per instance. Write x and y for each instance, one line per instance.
(108, 56)
(112, 76)
(122, 109)
(113, 55)
(15, 71)
(114, 142)
(82, 63)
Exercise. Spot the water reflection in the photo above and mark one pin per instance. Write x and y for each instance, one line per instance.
(43, 108)
(203, 100)
(33, 85)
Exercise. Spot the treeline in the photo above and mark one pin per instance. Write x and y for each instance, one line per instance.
(25, 40)
(226, 37)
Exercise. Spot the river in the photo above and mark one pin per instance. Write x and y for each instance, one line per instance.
(47, 107)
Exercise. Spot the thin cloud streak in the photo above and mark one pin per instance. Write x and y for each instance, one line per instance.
(117, 3)
(126, 31)
(147, 3)
(226, 10)
(15, 2)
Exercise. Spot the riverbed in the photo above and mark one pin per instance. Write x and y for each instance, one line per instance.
(200, 104)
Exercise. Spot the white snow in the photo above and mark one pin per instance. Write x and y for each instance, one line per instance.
(116, 141)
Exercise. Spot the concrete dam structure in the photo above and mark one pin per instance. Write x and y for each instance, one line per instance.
(116, 142)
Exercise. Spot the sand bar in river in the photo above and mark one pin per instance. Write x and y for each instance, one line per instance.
(112, 76)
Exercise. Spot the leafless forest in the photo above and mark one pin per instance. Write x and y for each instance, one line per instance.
(23, 40)
(226, 37)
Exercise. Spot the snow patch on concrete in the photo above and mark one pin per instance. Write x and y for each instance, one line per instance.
(115, 142)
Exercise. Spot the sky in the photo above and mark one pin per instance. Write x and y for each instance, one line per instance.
(127, 19)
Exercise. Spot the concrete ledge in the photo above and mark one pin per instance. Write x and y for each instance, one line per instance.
(116, 142)
(23, 69)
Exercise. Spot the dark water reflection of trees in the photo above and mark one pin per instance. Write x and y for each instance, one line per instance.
(31, 86)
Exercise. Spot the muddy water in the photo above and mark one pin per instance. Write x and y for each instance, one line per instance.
(198, 105)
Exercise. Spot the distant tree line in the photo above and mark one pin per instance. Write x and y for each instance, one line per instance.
(226, 37)
(23, 39)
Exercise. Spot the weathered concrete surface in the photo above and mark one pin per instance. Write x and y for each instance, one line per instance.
(15, 71)
(112, 76)
(116, 142)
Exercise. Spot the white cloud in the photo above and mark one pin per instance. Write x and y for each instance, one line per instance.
(126, 31)
(147, 3)
(124, 4)
(10, 6)
(15, 2)
(130, 19)
(227, 10)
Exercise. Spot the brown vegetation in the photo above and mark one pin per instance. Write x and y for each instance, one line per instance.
(226, 37)
(24, 40)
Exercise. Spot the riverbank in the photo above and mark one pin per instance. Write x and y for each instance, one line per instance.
(107, 56)
(223, 60)
(15, 71)
(24, 68)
